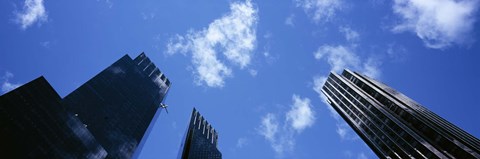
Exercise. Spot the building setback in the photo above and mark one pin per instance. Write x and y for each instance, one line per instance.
(106, 117)
(200, 140)
(393, 125)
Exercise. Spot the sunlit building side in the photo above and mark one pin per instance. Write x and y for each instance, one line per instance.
(393, 125)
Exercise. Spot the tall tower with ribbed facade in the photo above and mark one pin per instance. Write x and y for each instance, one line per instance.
(200, 140)
(393, 125)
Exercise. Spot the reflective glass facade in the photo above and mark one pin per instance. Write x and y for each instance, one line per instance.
(393, 125)
(34, 124)
(118, 104)
(106, 117)
(200, 140)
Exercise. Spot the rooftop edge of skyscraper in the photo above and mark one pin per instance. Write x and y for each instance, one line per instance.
(200, 140)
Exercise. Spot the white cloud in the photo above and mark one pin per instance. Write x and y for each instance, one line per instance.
(242, 142)
(341, 57)
(320, 9)
(46, 44)
(108, 3)
(33, 11)
(253, 72)
(6, 85)
(281, 142)
(281, 136)
(234, 35)
(345, 132)
(147, 16)
(341, 131)
(269, 57)
(439, 23)
(301, 114)
(289, 20)
(269, 127)
(362, 155)
(370, 68)
(268, 35)
(396, 52)
(350, 34)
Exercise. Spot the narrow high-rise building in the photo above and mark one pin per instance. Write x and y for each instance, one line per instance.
(118, 104)
(200, 140)
(393, 125)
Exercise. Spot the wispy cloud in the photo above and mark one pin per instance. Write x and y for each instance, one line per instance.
(340, 57)
(6, 84)
(147, 16)
(281, 135)
(269, 127)
(289, 20)
(362, 155)
(47, 44)
(241, 142)
(253, 72)
(439, 23)
(345, 132)
(269, 57)
(33, 11)
(107, 2)
(320, 10)
(396, 52)
(350, 34)
(342, 130)
(233, 34)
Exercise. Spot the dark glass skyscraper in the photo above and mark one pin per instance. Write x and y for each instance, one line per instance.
(34, 124)
(393, 125)
(106, 117)
(118, 104)
(201, 139)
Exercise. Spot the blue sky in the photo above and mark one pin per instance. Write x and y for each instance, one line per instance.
(254, 68)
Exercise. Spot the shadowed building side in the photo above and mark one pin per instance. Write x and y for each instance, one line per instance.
(201, 140)
(34, 124)
(106, 117)
(393, 125)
